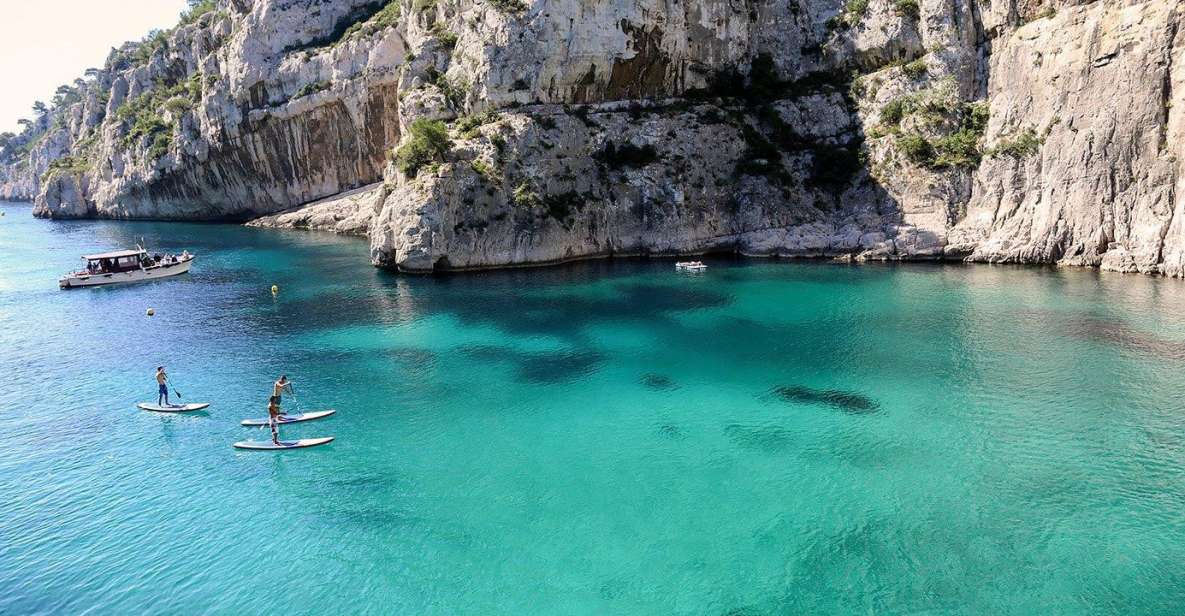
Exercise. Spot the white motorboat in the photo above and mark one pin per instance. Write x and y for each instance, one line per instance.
(124, 266)
(691, 266)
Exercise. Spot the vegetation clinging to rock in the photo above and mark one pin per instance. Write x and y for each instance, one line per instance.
(485, 171)
(851, 15)
(907, 8)
(468, 125)
(916, 148)
(1020, 145)
(448, 40)
(509, 6)
(311, 88)
(360, 23)
(144, 118)
(914, 69)
(429, 143)
(67, 164)
(197, 8)
(958, 149)
(525, 195)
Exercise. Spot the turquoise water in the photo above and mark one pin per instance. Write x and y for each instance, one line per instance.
(604, 438)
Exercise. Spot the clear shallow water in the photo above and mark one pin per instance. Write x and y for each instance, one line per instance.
(605, 438)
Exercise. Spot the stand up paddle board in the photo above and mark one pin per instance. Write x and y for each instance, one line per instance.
(287, 419)
(268, 445)
(173, 408)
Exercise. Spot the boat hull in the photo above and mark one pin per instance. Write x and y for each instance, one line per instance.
(73, 281)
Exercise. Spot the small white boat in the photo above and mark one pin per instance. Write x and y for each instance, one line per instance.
(124, 266)
(691, 266)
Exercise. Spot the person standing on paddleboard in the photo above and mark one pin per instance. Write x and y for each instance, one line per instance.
(273, 418)
(278, 388)
(162, 388)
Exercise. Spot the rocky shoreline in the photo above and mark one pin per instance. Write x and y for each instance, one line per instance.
(471, 134)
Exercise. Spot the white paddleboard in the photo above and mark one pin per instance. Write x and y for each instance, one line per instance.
(268, 445)
(287, 419)
(173, 408)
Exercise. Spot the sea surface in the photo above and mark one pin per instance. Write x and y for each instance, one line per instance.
(601, 438)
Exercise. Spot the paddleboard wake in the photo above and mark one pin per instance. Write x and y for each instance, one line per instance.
(268, 445)
(287, 419)
(172, 408)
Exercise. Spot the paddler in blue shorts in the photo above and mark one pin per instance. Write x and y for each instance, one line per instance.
(162, 386)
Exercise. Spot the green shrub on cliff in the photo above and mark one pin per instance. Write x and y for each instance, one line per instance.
(178, 104)
(916, 148)
(914, 69)
(381, 19)
(525, 195)
(155, 40)
(485, 171)
(1021, 145)
(429, 143)
(468, 125)
(958, 149)
(143, 113)
(907, 8)
(67, 164)
(894, 111)
(852, 14)
(311, 88)
(197, 8)
(440, 32)
(961, 148)
(161, 142)
(509, 6)
(362, 22)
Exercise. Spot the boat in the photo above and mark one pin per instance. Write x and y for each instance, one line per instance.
(123, 266)
(691, 266)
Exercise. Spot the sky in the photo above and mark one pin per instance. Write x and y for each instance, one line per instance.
(46, 43)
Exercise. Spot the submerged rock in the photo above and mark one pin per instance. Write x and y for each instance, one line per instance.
(659, 381)
(847, 401)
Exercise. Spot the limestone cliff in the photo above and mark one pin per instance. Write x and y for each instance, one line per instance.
(501, 132)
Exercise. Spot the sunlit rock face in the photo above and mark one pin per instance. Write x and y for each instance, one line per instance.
(1002, 131)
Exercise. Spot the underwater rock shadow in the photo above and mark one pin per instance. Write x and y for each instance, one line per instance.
(546, 368)
(659, 381)
(567, 316)
(405, 356)
(1118, 334)
(766, 438)
(670, 431)
(847, 401)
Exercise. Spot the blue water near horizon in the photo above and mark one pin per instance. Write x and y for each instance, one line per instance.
(600, 438)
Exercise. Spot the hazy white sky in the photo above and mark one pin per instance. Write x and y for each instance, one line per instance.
(46, 43)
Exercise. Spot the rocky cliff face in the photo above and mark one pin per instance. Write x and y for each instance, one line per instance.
(503, 132)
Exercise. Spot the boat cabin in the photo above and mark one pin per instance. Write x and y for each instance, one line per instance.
(118, 261)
